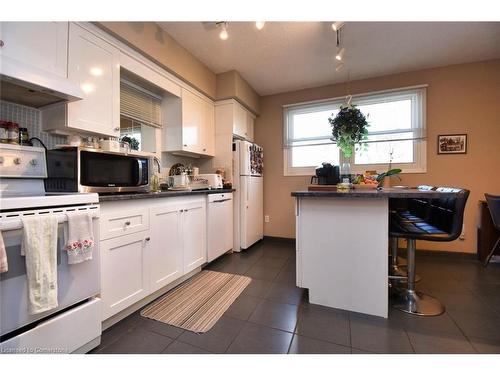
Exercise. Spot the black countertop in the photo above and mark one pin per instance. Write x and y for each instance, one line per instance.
(162, 194)
(384, 193)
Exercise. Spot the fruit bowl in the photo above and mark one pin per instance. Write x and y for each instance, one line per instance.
(364, 186)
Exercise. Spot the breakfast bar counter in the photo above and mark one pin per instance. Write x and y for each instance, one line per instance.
(342, 246)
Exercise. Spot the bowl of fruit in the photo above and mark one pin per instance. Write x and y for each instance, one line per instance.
(362, 182)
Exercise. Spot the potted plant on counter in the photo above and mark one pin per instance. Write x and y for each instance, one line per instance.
(384, 179)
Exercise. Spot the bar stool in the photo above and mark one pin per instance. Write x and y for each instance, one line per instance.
(494, 207)
(414, 210)
(444, 223)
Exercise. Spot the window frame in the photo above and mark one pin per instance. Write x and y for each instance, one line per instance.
(418, 96)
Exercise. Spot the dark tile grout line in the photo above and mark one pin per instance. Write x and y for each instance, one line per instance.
(463, 333)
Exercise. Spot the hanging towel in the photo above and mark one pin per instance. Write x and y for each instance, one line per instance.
(4, 266)
(80, 237)
(39, 246)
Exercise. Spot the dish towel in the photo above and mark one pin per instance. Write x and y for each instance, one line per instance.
(4, 266)
(39, 246)
(80, 237)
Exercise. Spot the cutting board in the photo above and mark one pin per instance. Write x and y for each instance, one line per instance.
(322, 188)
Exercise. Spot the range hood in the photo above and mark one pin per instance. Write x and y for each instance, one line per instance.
(33, 87)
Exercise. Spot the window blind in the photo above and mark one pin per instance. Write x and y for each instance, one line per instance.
(138, 104)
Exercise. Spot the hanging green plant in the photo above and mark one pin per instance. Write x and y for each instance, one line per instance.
(349, 128)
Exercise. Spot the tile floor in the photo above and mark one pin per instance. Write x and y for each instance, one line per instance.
(273, 315)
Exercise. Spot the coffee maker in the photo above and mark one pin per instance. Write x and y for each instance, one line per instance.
(326, 174)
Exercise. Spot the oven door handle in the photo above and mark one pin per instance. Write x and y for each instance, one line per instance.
(139, 167)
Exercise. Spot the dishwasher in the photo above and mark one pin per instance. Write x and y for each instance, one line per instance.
(219, 224)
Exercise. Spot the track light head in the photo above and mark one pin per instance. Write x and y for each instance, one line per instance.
(340, 54)
(339, 67)
(336, 26)
(259, 25)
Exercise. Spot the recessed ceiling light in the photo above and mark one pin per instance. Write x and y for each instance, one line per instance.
(260, 25)
(223, 32)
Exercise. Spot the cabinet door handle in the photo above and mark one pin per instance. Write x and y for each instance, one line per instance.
(1, 43)
(127, 223)
(117, 129)
(204, 149)
(185, 145)
(148, 239)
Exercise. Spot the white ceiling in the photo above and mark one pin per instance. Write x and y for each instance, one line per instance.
(287, 56)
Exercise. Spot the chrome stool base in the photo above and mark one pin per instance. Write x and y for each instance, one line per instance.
(416, 303)
(400, 274)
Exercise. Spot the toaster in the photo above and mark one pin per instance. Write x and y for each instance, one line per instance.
(214, 180)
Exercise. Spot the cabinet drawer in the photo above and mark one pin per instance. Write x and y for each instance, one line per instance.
(128, 222)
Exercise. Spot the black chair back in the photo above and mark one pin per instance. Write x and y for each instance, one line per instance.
(494, 207)
(420, 207)
(447, 214)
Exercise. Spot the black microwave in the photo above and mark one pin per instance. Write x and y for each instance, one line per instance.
(85, 170)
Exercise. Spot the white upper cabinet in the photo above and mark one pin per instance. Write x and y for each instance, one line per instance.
(189, 125)
(39, 45)
(232, 115)
(93, 65)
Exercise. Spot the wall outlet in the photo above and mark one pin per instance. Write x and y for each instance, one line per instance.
(266, 218)
(462, 235)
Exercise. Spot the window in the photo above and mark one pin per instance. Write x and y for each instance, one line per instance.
(140, 115)
(396, 131)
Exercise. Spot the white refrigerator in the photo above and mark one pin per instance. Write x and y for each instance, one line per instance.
(248, 179)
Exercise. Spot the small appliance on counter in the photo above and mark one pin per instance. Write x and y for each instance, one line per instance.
(326, 174)
(214, 180)
(89, 170)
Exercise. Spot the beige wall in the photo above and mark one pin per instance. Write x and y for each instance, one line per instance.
(232, 85)
(460, 99)
(149, 39)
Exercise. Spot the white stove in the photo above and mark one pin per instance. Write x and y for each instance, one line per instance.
(22, 193)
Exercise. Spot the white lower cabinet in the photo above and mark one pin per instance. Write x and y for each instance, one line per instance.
(194, 235)
(138, 264)
(124, 274)
(165, 256)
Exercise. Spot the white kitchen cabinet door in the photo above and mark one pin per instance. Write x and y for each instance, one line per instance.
(93, 65)
(208, 131)
(165, 255)
(42, 45)
(124, 273)
(193, 118)
(250, 126)
(194, 235)
(239, 120)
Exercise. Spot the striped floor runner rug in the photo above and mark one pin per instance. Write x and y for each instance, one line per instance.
(198, 303)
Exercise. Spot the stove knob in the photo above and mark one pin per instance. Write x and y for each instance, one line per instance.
(17, 161)
(33, 162)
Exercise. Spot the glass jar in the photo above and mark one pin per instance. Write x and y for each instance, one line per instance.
(13, 133)
(345, 172)
(4, 132)
(24, 137)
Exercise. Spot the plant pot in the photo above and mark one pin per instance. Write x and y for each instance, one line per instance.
(386, 182)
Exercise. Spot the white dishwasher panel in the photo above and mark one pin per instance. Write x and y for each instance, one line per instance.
(219, 225)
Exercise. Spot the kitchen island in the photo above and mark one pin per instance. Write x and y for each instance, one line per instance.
(342, 246)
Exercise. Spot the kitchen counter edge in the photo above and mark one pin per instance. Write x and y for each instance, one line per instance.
(162, 194)
(392, 193)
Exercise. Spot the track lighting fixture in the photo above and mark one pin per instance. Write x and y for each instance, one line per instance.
(336, 26)
(223, 30)
(339, 67)
(259, 25)
(340, 54)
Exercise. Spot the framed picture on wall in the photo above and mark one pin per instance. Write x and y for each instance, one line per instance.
(452, 144)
